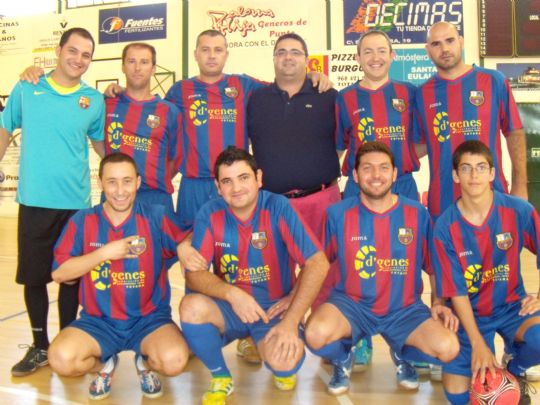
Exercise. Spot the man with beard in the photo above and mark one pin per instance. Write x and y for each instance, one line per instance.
(380, 241)
(465, 102)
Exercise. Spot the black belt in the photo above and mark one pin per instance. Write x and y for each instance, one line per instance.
(309, 191)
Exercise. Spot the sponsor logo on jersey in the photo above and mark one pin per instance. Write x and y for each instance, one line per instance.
(399, 104)
(259, 240)
(504, 240)
(441, 127)
(114, 135)
(473, 277)
(153, 121)
(228, 266)
(365, 129)
(405, 236)
(476, 97)
(84, 102)
(198, 112)
(100, 275)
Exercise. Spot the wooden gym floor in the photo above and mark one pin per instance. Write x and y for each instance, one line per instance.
(253, 384)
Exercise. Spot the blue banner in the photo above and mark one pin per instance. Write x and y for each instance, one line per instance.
(405, 22)
(128, 24)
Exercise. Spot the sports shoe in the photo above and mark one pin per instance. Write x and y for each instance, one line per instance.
(435, 372)
(150, 384)
(339, 382)
(220, 389)
(248, 351)
(362, 356)
(421, 367)
(406, 374)
(524, 388)
(32, 360)
(100, 387)
(532, 374)
(285, 383)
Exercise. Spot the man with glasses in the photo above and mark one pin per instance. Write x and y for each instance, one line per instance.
(477, 244)
(292, 130)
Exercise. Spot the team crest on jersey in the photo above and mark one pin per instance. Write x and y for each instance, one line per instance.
(231, 92)
(84, 102)
(476, 97)
(137, 246)
(399, 104)
(504, 240)
(153, 121)
(405, 236)
(259, 240)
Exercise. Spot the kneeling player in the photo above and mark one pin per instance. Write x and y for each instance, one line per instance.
(478, 241)
(254, 240)
(119, 249)
(380, 241)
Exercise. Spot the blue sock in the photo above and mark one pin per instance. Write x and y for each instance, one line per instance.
(206, 342)
(527, 353)
(336, 351)
(458, 399)
(411, 353)
(288, 372)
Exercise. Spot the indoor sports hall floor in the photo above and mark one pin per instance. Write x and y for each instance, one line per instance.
(253, 384)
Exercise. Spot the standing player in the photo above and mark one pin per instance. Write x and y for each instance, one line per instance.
(118, 250)
(380, 242)
(377, 108)
(478, 241)
(463, 102)
(254, 240)
(57, 116)
(145, 127)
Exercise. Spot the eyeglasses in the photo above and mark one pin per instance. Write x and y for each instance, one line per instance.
(280, 53)
(480, 168)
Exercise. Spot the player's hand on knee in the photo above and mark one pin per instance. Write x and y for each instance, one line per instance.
(31, 74)
(529, 305)
(445, 315)
(113, 90)
(483, 361)
(284, 340)
(120, 249)
(280, 307)
(245, 306)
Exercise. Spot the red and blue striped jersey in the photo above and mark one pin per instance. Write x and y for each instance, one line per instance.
(148, 131)
(128, 288)
(259, 255)
(214, 118)
(380, 255)
(384, 115)
(476, 106)
(483, 261)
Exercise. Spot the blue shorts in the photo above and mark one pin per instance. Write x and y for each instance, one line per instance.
(404, 185)
(395, 327)
(159, 197)
(115, 336)
(236, 329)
(506, 323)
(192, 195)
